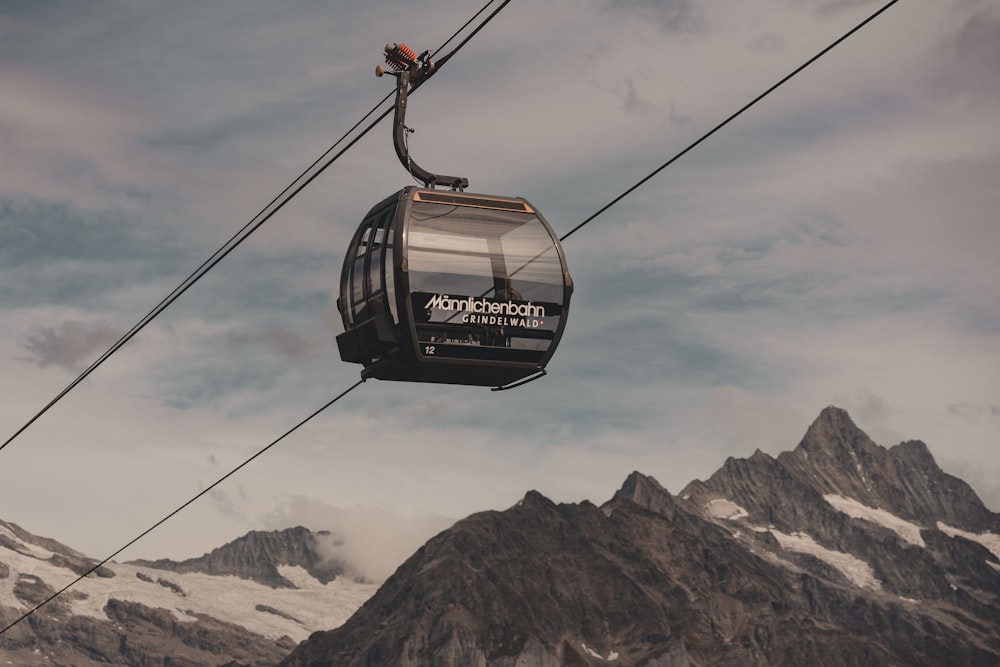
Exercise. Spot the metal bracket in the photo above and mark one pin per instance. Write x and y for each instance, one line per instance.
(411, 71)
(541, 373)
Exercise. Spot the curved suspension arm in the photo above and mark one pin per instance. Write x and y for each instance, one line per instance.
(408, 80)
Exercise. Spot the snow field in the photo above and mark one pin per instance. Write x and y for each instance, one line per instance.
(855, 569)
(313, 606)
(989, 540)
(721, 508)
(852, 508)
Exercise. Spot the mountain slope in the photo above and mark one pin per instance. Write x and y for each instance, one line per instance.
(257, 555)
(838, 553)
(136, 614)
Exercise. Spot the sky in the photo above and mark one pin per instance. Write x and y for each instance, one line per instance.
(836, 244)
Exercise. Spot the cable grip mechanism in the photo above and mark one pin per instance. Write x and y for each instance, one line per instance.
(411, 70)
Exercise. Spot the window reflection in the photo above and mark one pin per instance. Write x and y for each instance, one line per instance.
(475, 273)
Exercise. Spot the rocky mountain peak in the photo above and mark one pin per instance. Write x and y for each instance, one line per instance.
(834, 433)
(835, 456)
(19, 540)
(535, 500)
(915, 451)
(258, 554)
(917, 488)
(135, 615)
(830, 554)
(839, 552)
(647, 493)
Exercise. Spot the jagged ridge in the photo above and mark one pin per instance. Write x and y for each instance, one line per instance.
(257, 556)
(753, 567)
(134, 615)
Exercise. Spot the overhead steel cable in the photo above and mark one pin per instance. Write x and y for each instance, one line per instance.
(241, 235)
(255, 222)
(468, 23)
(579, 226)
(705, 136)
(181, 508)
(183, 288)
(729, 119)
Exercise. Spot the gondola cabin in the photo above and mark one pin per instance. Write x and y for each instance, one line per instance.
(447, 286)
(453, 287)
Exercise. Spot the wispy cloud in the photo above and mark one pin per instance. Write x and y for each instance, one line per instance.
(372, 542)
(825, 7)
(836, 244)
(286, 344)
(53, 251)
(672, 15)
(69, 345)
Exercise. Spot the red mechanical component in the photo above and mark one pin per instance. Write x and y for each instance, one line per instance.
(400, 56)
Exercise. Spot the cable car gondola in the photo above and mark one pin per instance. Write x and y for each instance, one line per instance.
(447, 286)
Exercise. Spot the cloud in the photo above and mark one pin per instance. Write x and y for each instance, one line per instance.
(831, 7)
(69, 345)
(872, 408)
(280, 341)
(671, 15)
(767, 42)
(972, 411)
(34, 230)
(979, 39)
(228, 506)
(64, 139)
(631, 100)
(371, 542)
(7, 24)
(834, 245)
(207, 380)
(55, 252)
(740, 421)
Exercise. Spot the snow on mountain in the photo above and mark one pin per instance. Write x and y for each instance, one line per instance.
(612, 656)
(852, 508)
(726, 509)
(989, 540)
(855, 569)
(271, 612)
(137, 614)
(840, 552)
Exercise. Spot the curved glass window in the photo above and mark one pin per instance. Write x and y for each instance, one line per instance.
(483, 278)
(370, 283)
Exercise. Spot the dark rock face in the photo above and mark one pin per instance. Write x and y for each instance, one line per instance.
(835, 456)
(828, 555)
(132, 635)
(62, 555)
(257, 555)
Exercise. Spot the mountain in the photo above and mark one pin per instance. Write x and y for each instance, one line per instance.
(840, 552)
(247, 603)
(258, 554)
